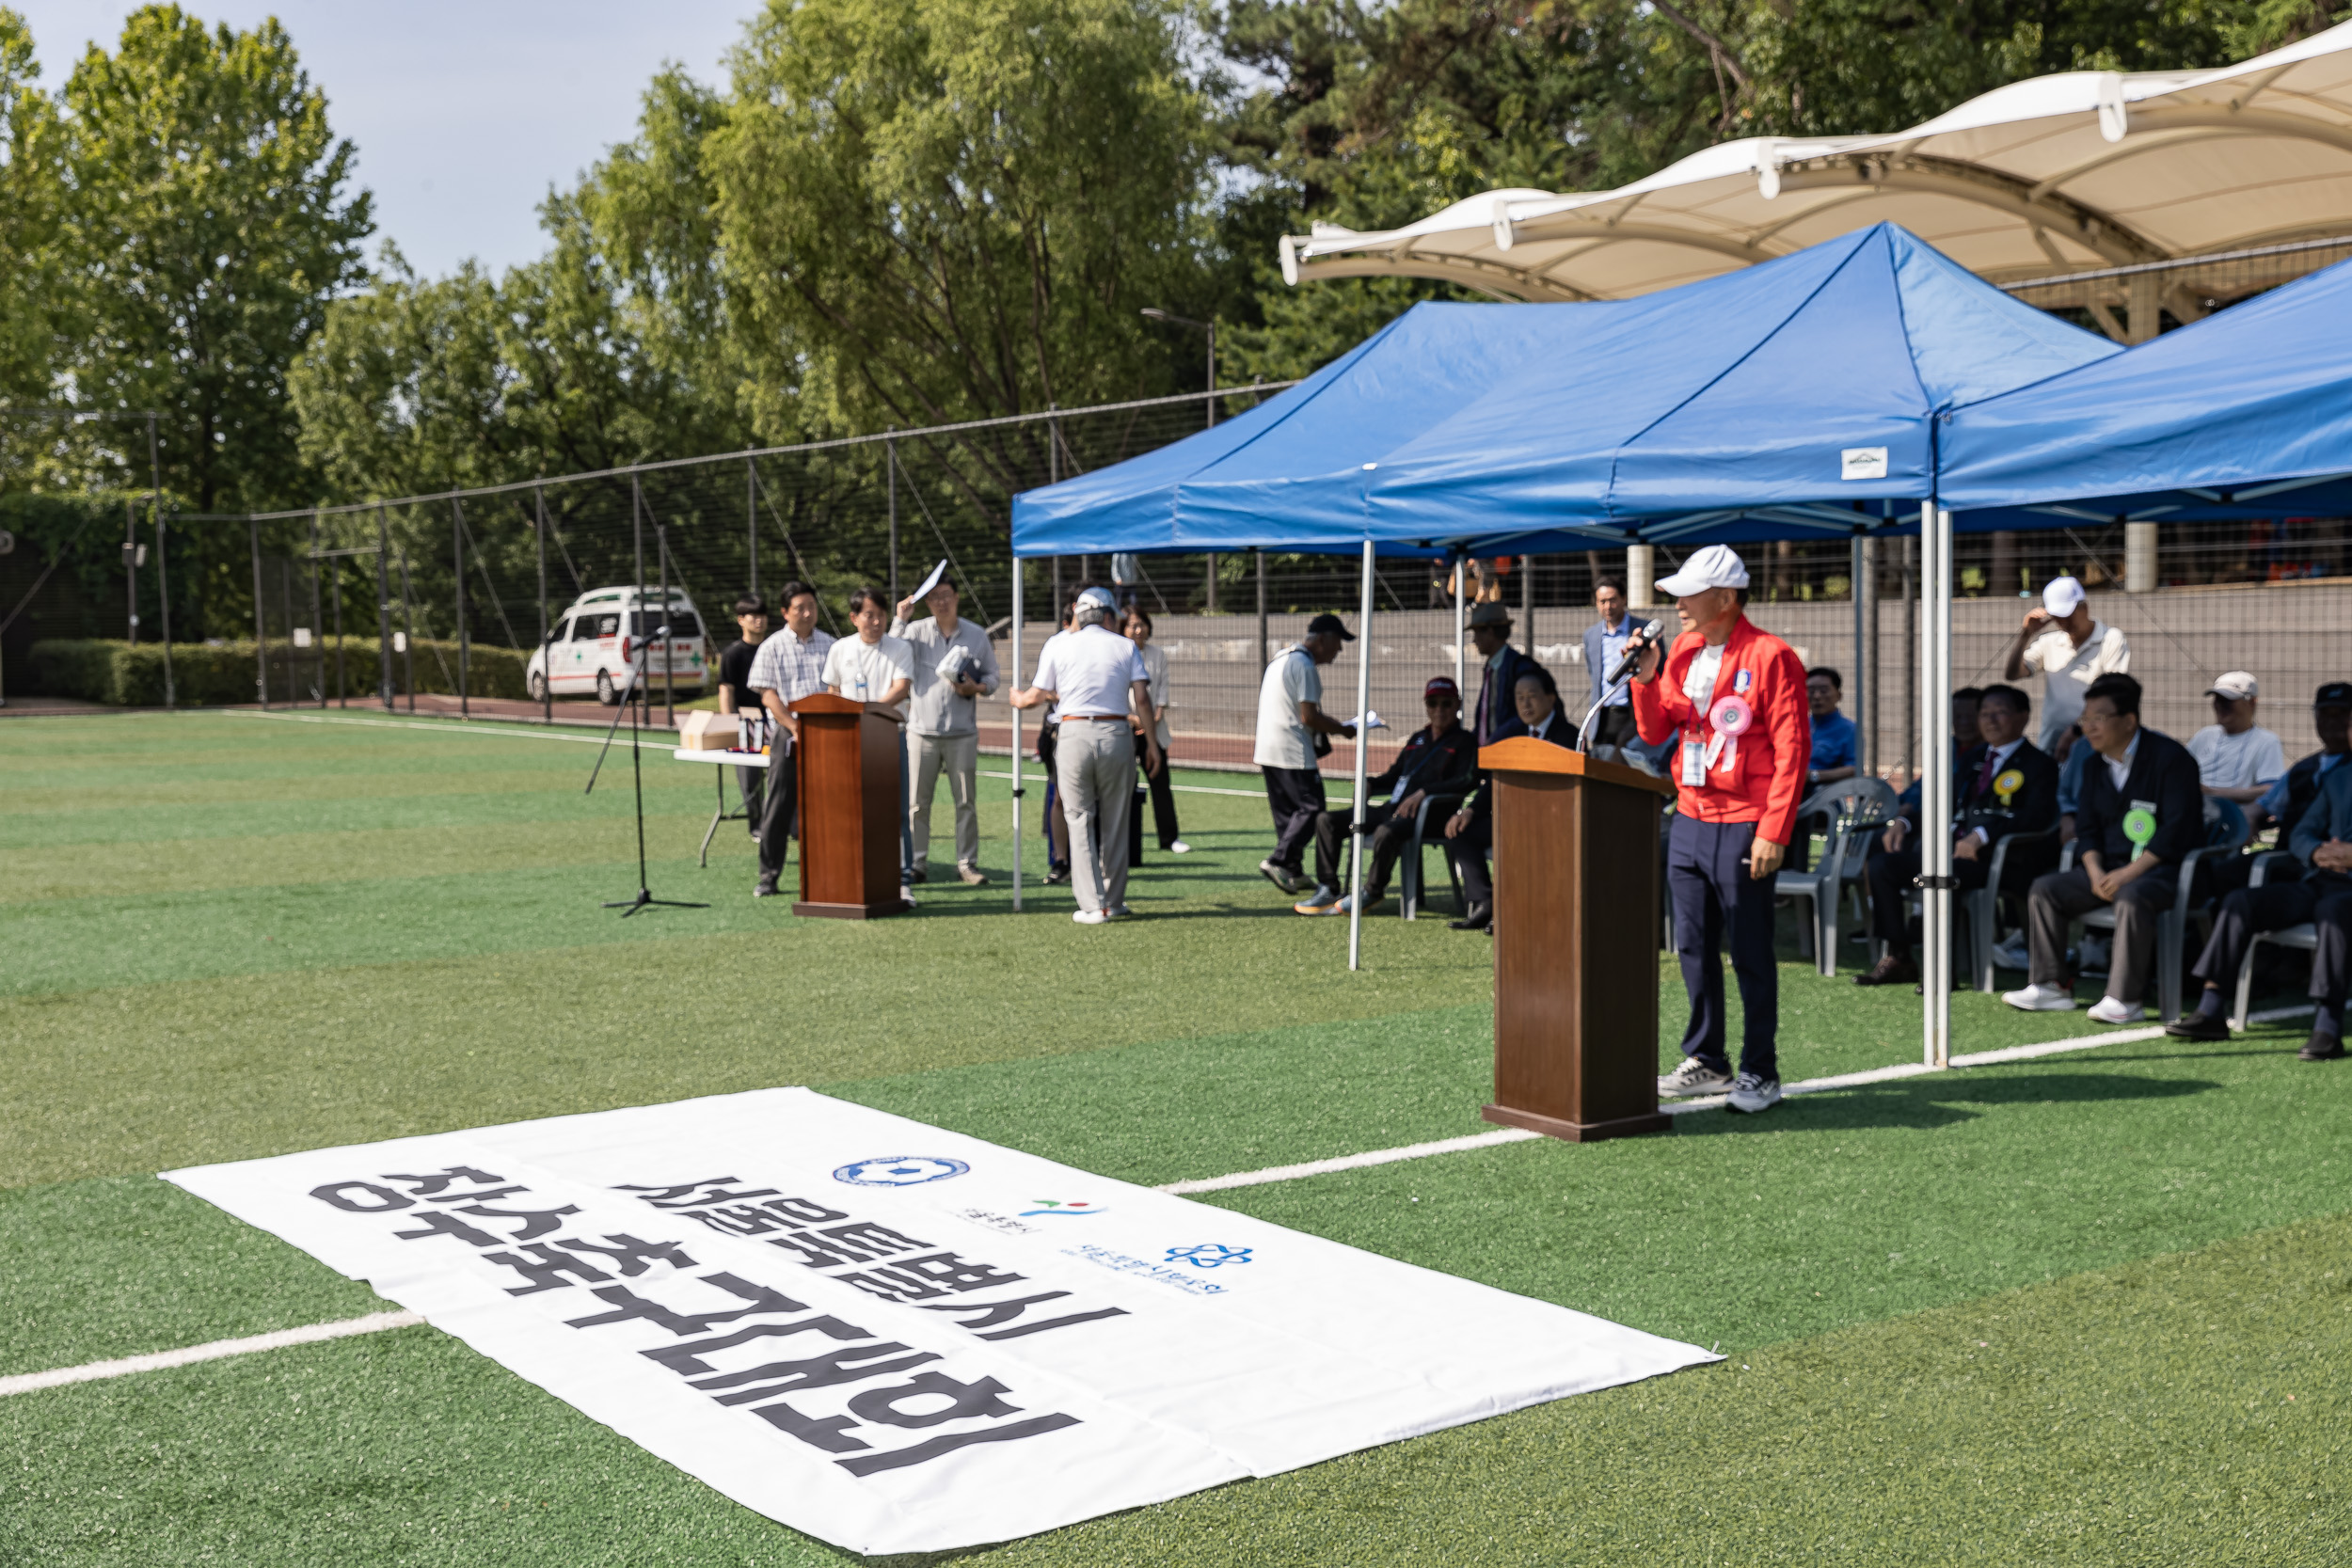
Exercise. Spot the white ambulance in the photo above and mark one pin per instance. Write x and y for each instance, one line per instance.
(594, 644)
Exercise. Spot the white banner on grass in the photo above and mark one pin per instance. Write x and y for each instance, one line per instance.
(900, 1339)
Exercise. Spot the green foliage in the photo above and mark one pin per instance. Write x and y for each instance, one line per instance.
(32, 194)
(206, 228)
(957, 207)
(214, 675)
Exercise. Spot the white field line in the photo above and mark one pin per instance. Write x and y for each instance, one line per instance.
(505, 732)
(1684, 1107)
(376, 1323)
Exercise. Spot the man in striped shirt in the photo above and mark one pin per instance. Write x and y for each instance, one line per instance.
(791, 665)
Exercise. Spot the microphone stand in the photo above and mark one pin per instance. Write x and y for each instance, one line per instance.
(645, 899)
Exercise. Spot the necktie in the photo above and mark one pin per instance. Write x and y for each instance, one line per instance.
(1984, 774)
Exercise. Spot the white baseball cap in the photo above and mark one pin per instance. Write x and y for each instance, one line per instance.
(2237, 685)
(2060, 596)
(1716, 566)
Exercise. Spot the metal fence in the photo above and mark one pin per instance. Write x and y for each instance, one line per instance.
(441, 601)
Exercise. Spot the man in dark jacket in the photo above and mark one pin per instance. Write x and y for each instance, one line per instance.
(1470, 831)
(2143, 810)
(1438, 758)
(2310, 818)
(2008, 785)
(1501, 667)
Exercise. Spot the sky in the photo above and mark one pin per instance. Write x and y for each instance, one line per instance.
(464, 113)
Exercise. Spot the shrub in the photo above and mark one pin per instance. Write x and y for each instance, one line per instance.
(109, 670)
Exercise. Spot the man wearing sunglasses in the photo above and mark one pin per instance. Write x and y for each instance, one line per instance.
(1438, 758)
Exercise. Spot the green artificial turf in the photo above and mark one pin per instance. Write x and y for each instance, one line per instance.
(2046, 1311)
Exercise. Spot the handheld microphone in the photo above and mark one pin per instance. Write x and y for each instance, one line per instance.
(1636, 646)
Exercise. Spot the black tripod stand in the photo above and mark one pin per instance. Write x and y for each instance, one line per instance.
(645, 899)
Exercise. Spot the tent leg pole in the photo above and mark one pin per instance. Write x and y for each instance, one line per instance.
(1363, 747)
(1461, 669)
(1935, 786)
(1013, 684)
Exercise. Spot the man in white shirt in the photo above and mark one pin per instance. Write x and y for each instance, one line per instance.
(1289, 717)
(877, 669)
(943, 730)
(2237, 759)
(2064, 643)
(791, 665)
(1096, 679)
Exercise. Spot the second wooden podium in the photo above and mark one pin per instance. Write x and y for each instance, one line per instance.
(1577, 917)
(847, 756)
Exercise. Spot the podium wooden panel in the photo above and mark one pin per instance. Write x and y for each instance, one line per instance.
(848, 755)
(1577, 914)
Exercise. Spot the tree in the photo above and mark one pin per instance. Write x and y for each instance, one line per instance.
(209, 228)
(32, 192)
(956, 208)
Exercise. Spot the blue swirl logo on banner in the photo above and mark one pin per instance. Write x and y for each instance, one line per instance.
(1208, 1255)
(900, 1170)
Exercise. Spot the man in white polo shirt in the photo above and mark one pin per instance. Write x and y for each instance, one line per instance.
(1097, 680)
(2063, 643)
(2236, 758)
(875, 667)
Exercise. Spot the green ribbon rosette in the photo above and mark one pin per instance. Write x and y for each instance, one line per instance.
(2139, 825)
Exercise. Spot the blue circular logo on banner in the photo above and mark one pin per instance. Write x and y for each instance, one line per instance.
(902, 1170)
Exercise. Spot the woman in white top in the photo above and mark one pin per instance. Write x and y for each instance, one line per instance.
(1155, 668)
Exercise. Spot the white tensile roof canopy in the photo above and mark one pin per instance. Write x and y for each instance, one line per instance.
(2084, 171)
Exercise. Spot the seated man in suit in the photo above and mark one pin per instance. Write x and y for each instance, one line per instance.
(1471, 832)
(1438, 758)
(2143, 810)
(2315, 814)
(2009, 786)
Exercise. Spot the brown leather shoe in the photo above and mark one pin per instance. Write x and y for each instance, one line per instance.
(1890, 970)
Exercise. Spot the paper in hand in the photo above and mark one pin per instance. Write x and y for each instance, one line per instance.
(930, 582)
(1369, 720)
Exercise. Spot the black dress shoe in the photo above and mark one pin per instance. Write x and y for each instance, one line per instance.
(1890, 970)
(2212, 1028)
(1477, 920)
(2322, 1047)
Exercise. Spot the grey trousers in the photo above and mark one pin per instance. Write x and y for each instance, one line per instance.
(1094, 768)
(958, 757)
(2059, 897)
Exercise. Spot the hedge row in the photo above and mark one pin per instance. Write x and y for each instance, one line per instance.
(204, 674)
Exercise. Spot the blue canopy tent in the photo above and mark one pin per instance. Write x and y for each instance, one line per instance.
(2246, 413)
(1795, 398)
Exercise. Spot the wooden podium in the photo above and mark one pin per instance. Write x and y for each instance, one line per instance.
(1576, 911)
(848, 761)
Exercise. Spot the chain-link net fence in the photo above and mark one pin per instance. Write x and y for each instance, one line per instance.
(466, 602)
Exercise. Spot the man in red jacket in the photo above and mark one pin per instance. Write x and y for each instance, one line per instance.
(1734, 702)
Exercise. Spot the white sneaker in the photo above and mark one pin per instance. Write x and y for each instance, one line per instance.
(2041, 999)
(1089, 917)
(1694, 1077)
(1180, 847)
(2108, 1010)
(1751, 1094)
(1280, 876)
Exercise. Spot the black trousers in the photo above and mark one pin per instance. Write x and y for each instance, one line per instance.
(1889, 873)
(1386, 834)
(780, 811)
(2059, 897)
(752, 782)
(1715, 898)
(2324, 897)
(1055, 826)
(1468, 852)
(1162, 803)
(1294, 795)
